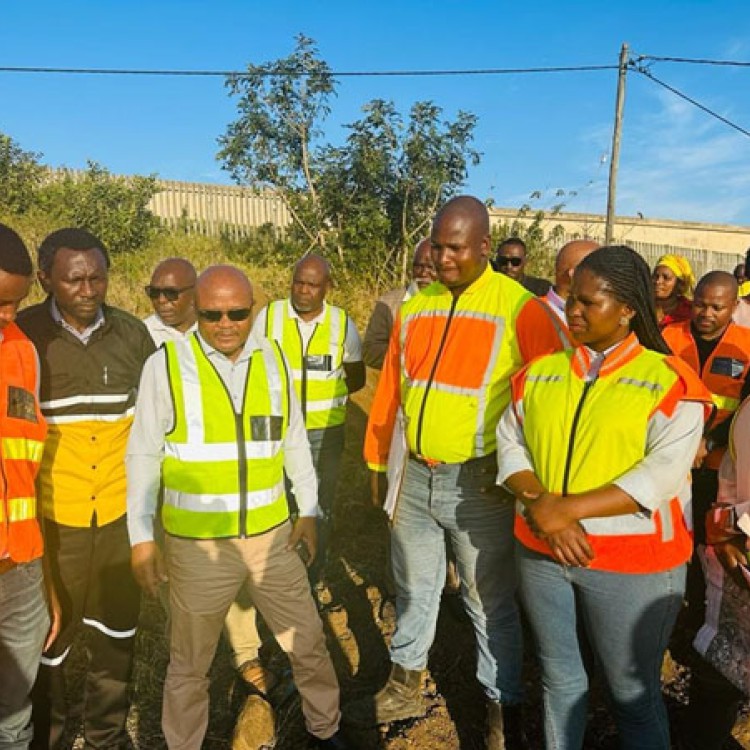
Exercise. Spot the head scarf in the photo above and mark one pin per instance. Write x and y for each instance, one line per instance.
(680, 267)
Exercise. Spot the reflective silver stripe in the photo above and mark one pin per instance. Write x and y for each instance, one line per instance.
(544, 378)
(558, 325)
(192, 397)
(634, 524)
(336, 320)
(69, 418)
(102, 628)
(229, 503)
(326, 405)
(319, 375)
(667, 527)
(497, 341)
(188, 452)
(276, 385)
(445, 388)
(641, 384)
(56, 661)
(277, 322)
(92, 398)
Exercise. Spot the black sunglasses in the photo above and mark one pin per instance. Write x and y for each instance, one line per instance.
(214, 316)
(504, 260)
(170, 293)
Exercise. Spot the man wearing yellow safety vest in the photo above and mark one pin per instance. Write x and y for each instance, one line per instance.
(91, 359)
(454, 347)
(324, 351)
(719, 351)
(24, 617)
(218, 424)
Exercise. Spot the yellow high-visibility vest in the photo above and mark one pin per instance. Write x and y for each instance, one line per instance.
(223, 472)
(318, 369)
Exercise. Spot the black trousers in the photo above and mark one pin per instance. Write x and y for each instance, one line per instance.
(91, 573)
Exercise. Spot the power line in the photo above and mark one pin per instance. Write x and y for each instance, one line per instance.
(695, 61)
(335, 74)
(646, 72)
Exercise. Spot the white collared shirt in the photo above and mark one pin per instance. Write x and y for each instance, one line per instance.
(83, 336)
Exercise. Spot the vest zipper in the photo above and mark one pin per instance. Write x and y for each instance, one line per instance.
(572, 440)
(242, 461)
(432, 375)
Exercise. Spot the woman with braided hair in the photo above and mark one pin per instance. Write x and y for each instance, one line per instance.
(597, 446)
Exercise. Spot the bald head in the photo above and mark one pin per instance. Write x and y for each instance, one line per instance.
(172, 293)
(714, 302)
(470, 209)
(422, 267)
(310, 284)
(568, 258)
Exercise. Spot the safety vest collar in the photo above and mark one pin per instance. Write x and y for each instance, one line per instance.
(628, 349)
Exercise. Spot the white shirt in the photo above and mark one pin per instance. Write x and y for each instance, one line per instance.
(154, 416)
(84, 335)
(161, 332)
(352, 342)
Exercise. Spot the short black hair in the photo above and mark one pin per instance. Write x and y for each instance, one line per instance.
(75, 239)
(512, 241)
(14, 257)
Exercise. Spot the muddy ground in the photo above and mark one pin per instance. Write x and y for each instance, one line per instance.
(359, 620)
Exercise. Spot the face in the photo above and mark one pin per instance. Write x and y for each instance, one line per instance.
(459, 250)
(511, 260)
(713, 305)
(13, 290)
(739, 273)
(309, 287)
(665, 283)
(178, 313)
(423, 269)
(225, 335)
(595, 317)
(78, 282)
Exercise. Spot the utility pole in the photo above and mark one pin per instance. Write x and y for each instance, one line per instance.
(614, 160)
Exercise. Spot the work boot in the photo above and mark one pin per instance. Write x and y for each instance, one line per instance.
(399, 699)
(255, 728)
(505, 728)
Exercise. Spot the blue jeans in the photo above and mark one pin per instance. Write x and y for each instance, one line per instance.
(462, 501)
(24, 621)
(627, 618)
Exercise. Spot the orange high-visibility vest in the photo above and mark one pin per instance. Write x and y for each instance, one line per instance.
(22, 433)
(723, 374)
(584, 434)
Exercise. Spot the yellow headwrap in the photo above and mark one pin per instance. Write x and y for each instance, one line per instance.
(680, 267)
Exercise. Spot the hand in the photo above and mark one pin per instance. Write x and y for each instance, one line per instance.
(55, 613)
(571, 546)
(700, 455)
(305, 530)
(148, 567)
(733, 556)
(378, 488)
(547, 514)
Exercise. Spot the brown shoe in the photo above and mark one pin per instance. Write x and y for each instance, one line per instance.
(256, 726)
(257, 678)
(505, 730)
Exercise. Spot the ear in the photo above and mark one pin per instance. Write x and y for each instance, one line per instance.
(628, 312)
(44, 280)
(486, 246)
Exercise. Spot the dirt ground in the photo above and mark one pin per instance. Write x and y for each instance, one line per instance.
(359, 621)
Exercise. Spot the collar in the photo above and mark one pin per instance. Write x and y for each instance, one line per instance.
(555, 300)
(295, 315)
(162, 326)
(247, 350)
(606, 362)
(482, 280)
(83, 335)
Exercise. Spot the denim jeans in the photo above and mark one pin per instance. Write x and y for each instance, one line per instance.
(628, 619)
(24, 621)
(462, 501)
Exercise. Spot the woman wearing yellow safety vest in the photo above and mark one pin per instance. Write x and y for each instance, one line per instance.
(597, 446)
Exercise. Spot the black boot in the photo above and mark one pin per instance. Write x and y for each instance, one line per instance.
(505, 728)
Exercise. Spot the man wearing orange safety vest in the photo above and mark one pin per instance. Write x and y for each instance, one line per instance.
(719, 351)
(447, 371)
(25, 623)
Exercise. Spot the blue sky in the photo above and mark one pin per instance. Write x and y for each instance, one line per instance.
(536, 133)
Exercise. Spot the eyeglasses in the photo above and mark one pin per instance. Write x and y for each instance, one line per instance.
(170, 293)
(214, 316)
(505, 260)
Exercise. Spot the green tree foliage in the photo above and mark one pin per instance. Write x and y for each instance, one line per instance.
(368, 200)
(21, 174)
(114, 208)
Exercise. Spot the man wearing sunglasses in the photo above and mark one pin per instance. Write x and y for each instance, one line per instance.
(172, 294)
(324, 351)
(511, 258)
(218, 424)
